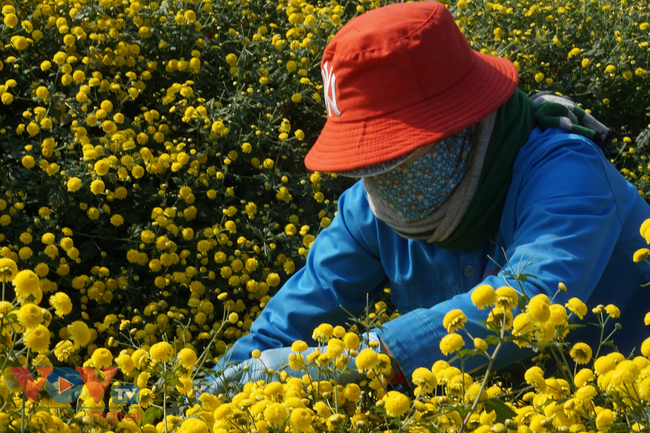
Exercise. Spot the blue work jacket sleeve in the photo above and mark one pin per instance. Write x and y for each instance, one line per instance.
(342, 270)
(560, 214)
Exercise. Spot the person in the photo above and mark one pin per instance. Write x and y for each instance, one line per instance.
(462, 179)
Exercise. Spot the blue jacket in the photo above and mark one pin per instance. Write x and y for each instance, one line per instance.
(567, 207)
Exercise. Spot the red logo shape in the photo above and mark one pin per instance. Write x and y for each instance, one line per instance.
(95, 387)
(31, 387)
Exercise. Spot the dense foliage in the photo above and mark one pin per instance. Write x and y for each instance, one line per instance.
(152, 177)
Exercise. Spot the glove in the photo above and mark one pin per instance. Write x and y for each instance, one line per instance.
(218, 382)
(271, 361)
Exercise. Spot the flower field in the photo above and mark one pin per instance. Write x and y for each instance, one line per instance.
(153, 198)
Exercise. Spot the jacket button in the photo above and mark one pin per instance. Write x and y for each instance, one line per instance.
(469, 271)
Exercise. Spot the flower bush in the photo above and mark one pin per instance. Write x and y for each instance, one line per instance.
(152, 155)
(588, 393)
(153, 198)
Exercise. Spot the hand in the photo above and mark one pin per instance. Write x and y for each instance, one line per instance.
(271, 362)
(267, 366)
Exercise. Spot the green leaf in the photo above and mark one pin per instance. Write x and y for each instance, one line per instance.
(524, 277)
(9, 363)
(152, 414)
(520, 338)
(493, 327)
(643, 139)
(502, 410)
(521, 302)
(465, 352)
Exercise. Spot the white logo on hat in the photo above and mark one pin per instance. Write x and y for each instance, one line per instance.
(329, 80)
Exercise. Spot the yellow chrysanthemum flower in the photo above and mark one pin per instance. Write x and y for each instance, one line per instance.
(480, 344)
(61, 303)
(161, 352)
(275, 414)
(273, 279)
(607, 363)
(11, 20)
(117, 220)
(187, 357)
(577, 307)
(500, 317)
(604, 419)
(367, 360)
(583, 377)
(581, 353)
(5, 306)
(641, 255)
(454, 320)
(64, 349)
(351, 341)
(451, 343)
(301, 418)
(586, 393)
(97, 186)
(185, 385)
(538, 308)
(30, 315)
(507, 297)
(644, 230)
(26, 283)
(535, 376)
(79, 333)
(335, 347)
(140, 359)
(645, 347)
(193, 425)
(101, 167)
(8, 269)
(38, 339)
(558, 314)
(352, 391)
(425, 379)
(102, 357)
(613, 311)
(396, 403)
(125, 363)
(74, 184)
(483, 296)
(625, 374)
(323, 332)
(42, 92)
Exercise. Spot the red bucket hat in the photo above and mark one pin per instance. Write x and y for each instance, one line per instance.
(400, 77)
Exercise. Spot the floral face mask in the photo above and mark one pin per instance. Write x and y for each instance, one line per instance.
(413, 190)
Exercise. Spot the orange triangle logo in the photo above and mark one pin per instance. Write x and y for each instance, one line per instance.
(64, 384)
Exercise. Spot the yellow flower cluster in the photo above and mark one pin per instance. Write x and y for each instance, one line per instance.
(146, 185)
(305, 404)
(153, 178)
(23, 320)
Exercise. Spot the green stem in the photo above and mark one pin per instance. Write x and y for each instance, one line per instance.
(165, 395)
(204, 354)
(602, 333)
(22, 417)
(567, 365)
(488, 370)
(484, 383)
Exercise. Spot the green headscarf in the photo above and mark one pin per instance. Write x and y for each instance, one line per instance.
(515, 120)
